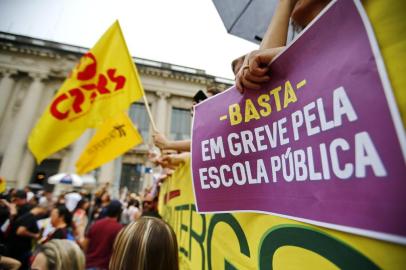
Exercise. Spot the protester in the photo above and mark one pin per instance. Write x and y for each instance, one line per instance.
(99, 240)
(147, 244)
(105, 201)
(80, 219)
(58, 255)
(132, 212)
(61, 219)
(150, 206)
(23, 231)
(19, 199)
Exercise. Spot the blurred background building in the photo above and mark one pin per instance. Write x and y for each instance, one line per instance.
(31, 72)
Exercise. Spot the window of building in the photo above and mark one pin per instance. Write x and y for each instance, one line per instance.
(139, 116)
(180, 124)
(130, 176)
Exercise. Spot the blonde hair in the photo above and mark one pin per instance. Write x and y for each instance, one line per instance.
(63, 255)
(146, 244)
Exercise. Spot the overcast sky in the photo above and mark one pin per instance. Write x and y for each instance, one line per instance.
(183, 32)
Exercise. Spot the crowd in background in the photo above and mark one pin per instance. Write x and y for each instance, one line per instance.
(84, 225)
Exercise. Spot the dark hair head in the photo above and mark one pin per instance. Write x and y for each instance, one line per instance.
(20, 194)
(199, 96)
(134, 202)
(81, 203)
(114, 209)
(64, 212)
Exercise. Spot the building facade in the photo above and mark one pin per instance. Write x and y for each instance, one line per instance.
(31, 72)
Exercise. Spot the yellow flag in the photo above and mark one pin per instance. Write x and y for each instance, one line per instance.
(116, 136)
(104, 83)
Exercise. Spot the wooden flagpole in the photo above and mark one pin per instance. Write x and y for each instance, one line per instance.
(144, 96)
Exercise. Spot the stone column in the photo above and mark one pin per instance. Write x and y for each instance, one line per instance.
(25, 171)
(107, 173)
(161, 111)
(118, 166)
(26, 117)
(111, 173)
(6, 85)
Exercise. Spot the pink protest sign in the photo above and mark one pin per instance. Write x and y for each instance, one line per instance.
(322, 143)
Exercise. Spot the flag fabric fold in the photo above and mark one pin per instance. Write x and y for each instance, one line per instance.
(116, 136)
(104, 83)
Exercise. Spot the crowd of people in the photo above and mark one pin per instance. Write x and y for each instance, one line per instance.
(80, 230)
(77, 230)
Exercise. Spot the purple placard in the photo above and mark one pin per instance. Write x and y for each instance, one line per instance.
(322, 143)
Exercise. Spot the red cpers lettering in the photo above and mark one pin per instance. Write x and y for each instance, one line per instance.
(91, 85)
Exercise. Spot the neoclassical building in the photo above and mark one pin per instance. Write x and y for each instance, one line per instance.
(32, 70)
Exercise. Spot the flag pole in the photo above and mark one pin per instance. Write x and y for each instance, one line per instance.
(144, 96)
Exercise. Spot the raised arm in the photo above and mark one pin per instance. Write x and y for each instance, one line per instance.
(277, 32)
(164, 144)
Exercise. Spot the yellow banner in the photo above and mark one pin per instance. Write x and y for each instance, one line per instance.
(260, 241)
(105, 82)
(116, 136)
(388, 20)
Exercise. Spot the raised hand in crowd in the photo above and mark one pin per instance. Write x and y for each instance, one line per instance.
(160, 140)
(163, 143)
(174, 160)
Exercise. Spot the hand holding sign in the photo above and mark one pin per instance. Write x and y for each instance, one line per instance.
(254, 72)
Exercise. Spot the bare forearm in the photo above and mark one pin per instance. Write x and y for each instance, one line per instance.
(179, 145)
(277, 32)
